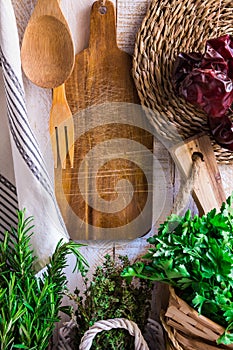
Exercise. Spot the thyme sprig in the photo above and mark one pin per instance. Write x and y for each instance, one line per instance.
(107, 296)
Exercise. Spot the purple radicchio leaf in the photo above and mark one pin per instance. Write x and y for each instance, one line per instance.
(219, 55)
(221, 129)
(183, 65)
(207, 81)
(211, 90)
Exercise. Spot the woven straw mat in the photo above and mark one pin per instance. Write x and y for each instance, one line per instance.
(170, 27)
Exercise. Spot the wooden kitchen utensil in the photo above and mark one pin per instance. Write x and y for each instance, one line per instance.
(102, 72)
(102, 77)
(61, 127)
(47, 51)
(208, 191)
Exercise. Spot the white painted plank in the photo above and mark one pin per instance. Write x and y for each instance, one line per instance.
(129, 17)
(226, 172)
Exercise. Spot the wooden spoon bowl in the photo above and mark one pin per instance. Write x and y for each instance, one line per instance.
(47, 51)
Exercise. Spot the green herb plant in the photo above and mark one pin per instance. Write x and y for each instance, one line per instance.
(29, 305)
(195, 256)
(108, 296)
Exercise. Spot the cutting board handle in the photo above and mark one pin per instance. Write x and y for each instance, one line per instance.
(103, 26)
(208, 191)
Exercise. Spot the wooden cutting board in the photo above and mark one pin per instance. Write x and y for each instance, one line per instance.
(107, 195)
(208, 191)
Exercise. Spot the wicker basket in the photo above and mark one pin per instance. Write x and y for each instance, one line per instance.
(170, 27)
(187, 330)
(154, 336)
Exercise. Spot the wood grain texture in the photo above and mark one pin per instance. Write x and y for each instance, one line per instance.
(102, 72)
(190, 329)
(77, 14)
(61, 127)
(208, 191)
(102, 78)
(47, 50)
(129, 18)
(23, 11)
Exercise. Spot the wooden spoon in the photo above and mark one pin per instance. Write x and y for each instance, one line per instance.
(47, 51)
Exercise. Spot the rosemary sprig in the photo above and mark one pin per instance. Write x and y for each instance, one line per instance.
(30, 305)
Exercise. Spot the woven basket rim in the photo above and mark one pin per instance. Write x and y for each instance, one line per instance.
(176, 334)
(194, 313)
(65, 336)
(169, 27)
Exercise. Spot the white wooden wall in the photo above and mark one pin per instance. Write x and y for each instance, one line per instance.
(129, 14)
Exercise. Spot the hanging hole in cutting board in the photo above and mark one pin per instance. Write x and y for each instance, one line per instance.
(103, 10)
(197, 154)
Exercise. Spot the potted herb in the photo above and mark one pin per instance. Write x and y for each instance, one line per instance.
(109, 296)
(29, 305)
(195, 256)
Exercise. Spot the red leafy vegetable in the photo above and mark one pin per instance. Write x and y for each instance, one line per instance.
(207, 81)
(222, 131)
(211, 90)
(184, 65)
(219, 55)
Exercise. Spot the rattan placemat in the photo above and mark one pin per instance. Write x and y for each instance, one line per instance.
(170, 27)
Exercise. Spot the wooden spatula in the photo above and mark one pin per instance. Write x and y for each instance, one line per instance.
(61, 127)
(102, 75)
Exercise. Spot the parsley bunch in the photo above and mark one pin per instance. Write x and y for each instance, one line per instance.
(195, 256)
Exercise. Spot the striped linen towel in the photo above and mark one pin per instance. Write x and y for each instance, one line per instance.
(24, 179)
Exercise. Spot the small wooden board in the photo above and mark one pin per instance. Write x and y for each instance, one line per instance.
(208, 192)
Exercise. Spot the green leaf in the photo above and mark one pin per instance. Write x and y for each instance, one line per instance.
(229, 315)
(198, 302)
(195, 254)
(108, 295)
(28, 306)
(225, 338)
(20, 346)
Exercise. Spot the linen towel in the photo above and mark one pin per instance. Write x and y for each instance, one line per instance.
(24, 179)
